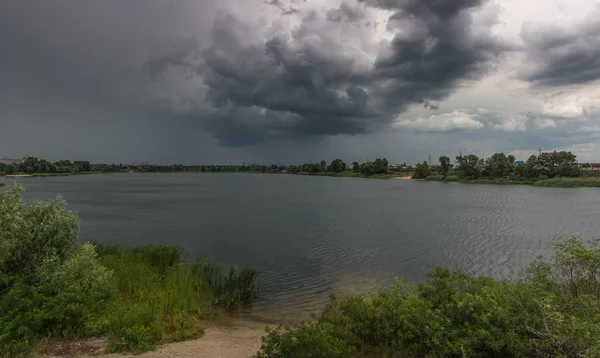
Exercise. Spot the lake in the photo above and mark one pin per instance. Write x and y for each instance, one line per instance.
(310, 236)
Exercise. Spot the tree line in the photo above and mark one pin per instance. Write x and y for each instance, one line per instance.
(33, 165)
(470, 167)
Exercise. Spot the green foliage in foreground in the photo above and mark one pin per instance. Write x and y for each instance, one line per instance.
(553, 310)
(2, 184)
(138, 297)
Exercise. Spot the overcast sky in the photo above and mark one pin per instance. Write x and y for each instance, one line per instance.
(293, 81)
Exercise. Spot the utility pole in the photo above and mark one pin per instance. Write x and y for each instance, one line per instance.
(540, 150)
(429, 159)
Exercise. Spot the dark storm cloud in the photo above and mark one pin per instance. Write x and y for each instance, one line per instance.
(309, 76)
(180, 53)
(284, 10)
(435, 49)
(346, 13)
(563, 56)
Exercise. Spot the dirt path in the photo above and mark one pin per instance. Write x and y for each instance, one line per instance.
(240, 340)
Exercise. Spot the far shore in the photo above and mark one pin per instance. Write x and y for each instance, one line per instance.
(565, 182)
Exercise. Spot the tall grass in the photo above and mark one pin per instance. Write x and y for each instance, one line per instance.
(593, 182)
(161, 296)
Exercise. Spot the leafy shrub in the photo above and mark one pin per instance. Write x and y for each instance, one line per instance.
(138, 296)
(303, 340)
(552, 311)
(451, 178)
(133, 328)
(33, 233)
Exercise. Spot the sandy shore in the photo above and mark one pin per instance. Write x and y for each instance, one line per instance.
(18, 175)
(239, 340)
(403, 178)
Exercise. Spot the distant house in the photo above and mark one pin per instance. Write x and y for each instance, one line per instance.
(517, 162)
(8, 161)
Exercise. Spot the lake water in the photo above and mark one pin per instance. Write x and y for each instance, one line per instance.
(310, 236)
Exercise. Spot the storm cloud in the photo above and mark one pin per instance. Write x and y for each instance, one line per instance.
(559, 56)
(311, 81)
(233, 80)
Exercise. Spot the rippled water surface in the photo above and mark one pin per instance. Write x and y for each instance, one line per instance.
(313, 235)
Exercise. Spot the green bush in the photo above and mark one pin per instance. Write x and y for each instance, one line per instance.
(33, 233)
(139, 297)
(304, 340)
(552, 311)
(133, 328)
(451, 178)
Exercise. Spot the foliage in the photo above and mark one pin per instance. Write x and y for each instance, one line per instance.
(304, 340)
(337, 166)
(451, 178)
(444, 165)
(33, 233)
(570, 182)
(421, 171)
(552, 311)
(379, 166)
(139, 296)
(469, 166)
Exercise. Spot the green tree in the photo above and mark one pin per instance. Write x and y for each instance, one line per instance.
(469, 166)
(32, 233)
(355, 167)
(337, 166)
(499, 165)
(323, 166)
(444, 165)
(422, 171)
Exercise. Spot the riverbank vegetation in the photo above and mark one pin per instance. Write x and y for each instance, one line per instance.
(52, 288)
(556, 169)
(552, 310)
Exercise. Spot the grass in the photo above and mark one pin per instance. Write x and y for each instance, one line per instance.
(592, 182)
(435, 178)
(2, 184)
(501, 181)
(349, 174)
(162, 297)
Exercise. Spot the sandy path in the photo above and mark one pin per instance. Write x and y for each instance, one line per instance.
(240, 340)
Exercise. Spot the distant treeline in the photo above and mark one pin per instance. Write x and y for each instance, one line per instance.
(471, 167)
(466, 167)
(32, 165)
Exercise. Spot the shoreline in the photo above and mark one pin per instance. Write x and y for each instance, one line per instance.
(239, 338)
(567, 182)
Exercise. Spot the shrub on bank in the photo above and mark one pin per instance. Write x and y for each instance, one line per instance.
(552, 311)
(451, 178)
(138, 297)
(592, 182)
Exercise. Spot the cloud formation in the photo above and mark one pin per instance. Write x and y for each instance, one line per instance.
(559, 56)
(273, 80)
(313, 80)
(442, 123)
